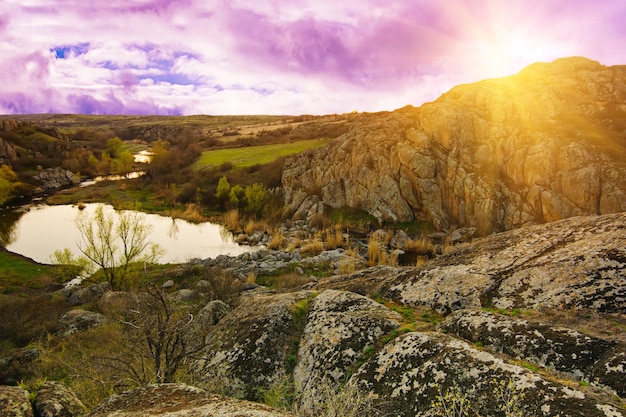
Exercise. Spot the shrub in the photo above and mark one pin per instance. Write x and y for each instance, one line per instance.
(256, 196)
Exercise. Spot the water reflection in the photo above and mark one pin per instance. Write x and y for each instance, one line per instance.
(173, 232)
(8, 222)
(129, 176)
(44, 229)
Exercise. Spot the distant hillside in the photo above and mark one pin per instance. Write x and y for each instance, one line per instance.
(545, 144)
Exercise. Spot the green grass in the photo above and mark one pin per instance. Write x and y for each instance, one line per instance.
(249, 156)
(20, 274)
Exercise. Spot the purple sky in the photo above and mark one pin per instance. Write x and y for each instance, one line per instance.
(281, 56)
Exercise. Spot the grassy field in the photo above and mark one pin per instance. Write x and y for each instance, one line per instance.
(21, 275)
(249, 156)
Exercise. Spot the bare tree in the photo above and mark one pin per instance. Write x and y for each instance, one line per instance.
(116, 242)
(162, 336)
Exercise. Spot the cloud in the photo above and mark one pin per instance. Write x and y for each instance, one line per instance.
(302, 56)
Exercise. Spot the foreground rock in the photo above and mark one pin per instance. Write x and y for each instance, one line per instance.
(542, 145)
(410, 372)
(249, 348)
(14, 402)
(79, 320)
(55, 399)
(587, 358)
(340, 327)
(574, 263)
(178, 400)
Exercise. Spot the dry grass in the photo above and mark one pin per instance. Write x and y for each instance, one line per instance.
(377, 252)
(278, 241)
(333, 238)
(350, 264)
(421, 246)
(256, 226)
(314, 246)
(231, 220)
(251, 278)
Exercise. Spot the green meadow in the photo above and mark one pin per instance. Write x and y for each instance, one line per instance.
(252, 155)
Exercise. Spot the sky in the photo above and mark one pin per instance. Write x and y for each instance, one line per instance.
(183, 57)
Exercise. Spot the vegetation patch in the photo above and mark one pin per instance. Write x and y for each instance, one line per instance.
(22, 275)
(253, 155)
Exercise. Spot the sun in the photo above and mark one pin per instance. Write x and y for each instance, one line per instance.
(500, 41)
(507, 52)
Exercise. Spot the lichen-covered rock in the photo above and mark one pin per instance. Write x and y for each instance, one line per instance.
(79, 320)
(92, 293)
(577, 262)
(588, 358)
(249, 347)
(213, 312)
(340, 327)
(178, 400)
(14, 402)
(55, 399)
(410, 372)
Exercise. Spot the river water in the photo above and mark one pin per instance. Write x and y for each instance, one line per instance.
(36, 232)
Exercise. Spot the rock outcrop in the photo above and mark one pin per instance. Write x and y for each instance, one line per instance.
(340, 327)
(249, 348)
(178, 400)
(55, 178)
(588, 358)
(411, 371)
(573, 263)
(543, 145)
(7, 152)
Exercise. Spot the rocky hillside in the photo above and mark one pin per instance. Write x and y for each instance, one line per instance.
(498, 295)
(525, 322)
(542, 145)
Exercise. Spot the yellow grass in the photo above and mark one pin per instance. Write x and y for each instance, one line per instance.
(278, 241)
(422, 246)
(231, 220)
(333, 238)
(315, 246)
(377, 253)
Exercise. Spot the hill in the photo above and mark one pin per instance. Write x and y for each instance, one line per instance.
(545, 144)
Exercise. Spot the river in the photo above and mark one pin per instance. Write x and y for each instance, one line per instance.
(37, 231)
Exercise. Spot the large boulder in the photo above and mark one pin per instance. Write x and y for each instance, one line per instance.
(340, 328)
(213, 312)
(178, 400)
(55, 399)
(14, 402)
(412, 371)
(55, 178)
(90, 294)
(574, 263)
(79, 320)
(545, 144)
(249, 348)
(585, 357)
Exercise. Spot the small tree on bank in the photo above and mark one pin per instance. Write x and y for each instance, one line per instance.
(117, 242)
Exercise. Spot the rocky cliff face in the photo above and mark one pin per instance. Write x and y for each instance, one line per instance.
(546, 144)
